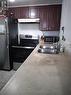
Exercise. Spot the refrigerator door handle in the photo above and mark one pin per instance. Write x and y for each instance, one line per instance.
(6, 33)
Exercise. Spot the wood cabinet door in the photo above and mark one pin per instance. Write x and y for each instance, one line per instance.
(19, 12)
(50, 17)
(43, 13)
(24, 12)
(11, 12)
(34, 12)
(54, 16)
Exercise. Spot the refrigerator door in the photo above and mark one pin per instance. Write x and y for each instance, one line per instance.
(2, 50)
(4, 45)
(6, 66)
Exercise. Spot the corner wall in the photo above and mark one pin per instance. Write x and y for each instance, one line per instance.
(66, 22)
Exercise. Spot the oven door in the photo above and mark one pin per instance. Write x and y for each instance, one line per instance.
(28, 43)
(19, 54)
(23, 50)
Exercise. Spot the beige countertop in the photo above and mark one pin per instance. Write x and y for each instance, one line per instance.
(40, 74)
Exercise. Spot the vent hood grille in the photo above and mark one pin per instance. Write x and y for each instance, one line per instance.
(28, 20)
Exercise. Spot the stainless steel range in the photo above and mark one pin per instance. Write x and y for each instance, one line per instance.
(28, 41)
(20, 52)
(26, 44)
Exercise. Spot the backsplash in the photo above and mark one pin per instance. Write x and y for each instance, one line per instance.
(29, 29)
(51, 33)
(33, 29)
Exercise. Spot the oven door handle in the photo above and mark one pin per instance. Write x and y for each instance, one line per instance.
(28, 47)
(24, 47)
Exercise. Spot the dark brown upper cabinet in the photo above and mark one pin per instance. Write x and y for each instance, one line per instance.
(34, 12)
(11, 12)
(43, 14)
(54, 16)
(19, 12)
(24, 12)
(50, 18)
(49, 15)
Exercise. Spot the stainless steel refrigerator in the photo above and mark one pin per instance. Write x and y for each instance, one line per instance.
(4, 44)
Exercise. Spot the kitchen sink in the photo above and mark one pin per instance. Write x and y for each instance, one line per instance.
(49, 49)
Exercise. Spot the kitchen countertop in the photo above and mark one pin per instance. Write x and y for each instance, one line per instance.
(41, 74)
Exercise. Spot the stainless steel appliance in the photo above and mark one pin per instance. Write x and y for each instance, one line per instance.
(28, 41)
(4, 44)
(29, 20)
(50, 45)
(26, 45)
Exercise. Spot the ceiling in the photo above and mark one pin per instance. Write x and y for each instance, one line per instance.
(33, 2)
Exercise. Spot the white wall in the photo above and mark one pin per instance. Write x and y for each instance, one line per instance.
(66, 22)
(51, 33)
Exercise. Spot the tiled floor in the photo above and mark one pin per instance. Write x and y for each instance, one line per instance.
(5, 76)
